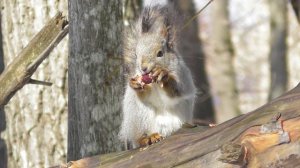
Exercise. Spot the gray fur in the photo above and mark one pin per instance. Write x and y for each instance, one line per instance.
(156, 30)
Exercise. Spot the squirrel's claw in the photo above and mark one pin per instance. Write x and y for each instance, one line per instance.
(149, 140)
(135, 84)
(161, 75)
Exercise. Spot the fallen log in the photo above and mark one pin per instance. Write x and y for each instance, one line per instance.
(266, 137)
(19, 72)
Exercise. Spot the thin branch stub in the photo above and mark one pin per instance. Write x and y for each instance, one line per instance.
(38, 82)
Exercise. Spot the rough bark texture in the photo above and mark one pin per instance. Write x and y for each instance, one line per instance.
(191, 49)
(278, 47)
(95, 77)
(261, 138)
(3, 148)
(36, 117)
(223, 77)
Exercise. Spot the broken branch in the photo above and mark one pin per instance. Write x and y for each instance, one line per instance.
(19, 72)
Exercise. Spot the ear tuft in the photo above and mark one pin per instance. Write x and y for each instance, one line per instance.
(147, 20)
(170, 37)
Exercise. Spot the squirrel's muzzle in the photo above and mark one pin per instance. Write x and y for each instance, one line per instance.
(146, 68)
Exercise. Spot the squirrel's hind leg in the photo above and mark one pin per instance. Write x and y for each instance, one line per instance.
(146, 140)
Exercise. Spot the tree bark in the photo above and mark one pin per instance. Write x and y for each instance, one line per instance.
(191, 49)
(1, 46)
(95, 77)
(224, 83)
(278, 48)
(3, 146)
(36, 117)
(296, 8)
(266, 137)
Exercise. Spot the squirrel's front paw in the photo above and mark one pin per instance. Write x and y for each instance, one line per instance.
(149, 140)
(135, 84)
(161, 75)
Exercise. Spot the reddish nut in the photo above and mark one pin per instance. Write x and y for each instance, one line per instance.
(146, 79)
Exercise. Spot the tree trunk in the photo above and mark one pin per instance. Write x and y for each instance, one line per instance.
(191, 49)
(132, 10)
(266, 137)
(278, 47)
(296, 8)
(223, 76)
(95, 77)
(3, 147)
(36, 117)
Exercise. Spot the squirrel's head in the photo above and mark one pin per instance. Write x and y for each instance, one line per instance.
(156, 39)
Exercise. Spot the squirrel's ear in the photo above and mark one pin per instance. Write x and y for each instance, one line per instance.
(145, 25)
(164, 31)
(167, 33)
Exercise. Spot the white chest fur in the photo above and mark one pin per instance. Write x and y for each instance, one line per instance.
(159, 99)
(166, 119)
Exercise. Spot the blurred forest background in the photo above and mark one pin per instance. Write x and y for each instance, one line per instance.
(242, 54)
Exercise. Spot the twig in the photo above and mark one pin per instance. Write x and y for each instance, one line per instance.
(38, 82)
(195, 16)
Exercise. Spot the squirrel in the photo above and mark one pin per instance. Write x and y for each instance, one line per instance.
(160, 92)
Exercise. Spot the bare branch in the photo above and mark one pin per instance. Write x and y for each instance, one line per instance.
(18, 73)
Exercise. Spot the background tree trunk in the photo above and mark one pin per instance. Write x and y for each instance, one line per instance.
(132, 10)
(278, 47)
(36, 117)
(223, 77)
(3, 148)
(95, 77)
(191, 49)
(296, 8)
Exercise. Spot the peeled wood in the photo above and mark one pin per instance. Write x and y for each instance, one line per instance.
(18, 73)
(234, 143)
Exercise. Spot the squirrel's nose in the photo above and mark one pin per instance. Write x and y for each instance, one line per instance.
(144, 69)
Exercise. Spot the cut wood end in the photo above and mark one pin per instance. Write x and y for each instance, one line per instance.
(285, 155)
(61, 20)
(258, 142)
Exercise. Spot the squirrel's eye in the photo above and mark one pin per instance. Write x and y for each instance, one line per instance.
(160, 54)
